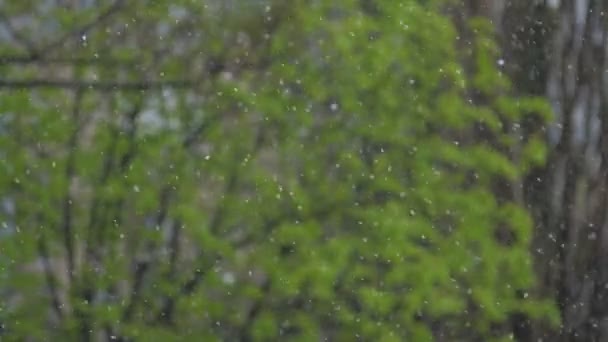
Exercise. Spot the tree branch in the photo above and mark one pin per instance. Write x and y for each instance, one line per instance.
(69, 174)
(168, 307)
(254, 312)
(51, 281)
(63, 60)
(17, 36)
(141, 267)
(78, 32)
(215, 224)
(138, 278)
(103, 86)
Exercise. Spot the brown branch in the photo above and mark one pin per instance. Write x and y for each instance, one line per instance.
(97, 221)
(168, 307)
(69, 174)
(174, 249)
(78, 32)
(138, 279)
(192, 137)
(108, 163)
(97, 201)
(63, 60)
(125, 162)
(141, 267)
(17, 36)
(165, 315)
(253, 312)
(131, 129)
(215, 224)
(103, 86)
(51, 281)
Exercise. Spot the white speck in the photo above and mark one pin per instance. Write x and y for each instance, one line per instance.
(228, 278)
(135, 188)
(501, 62)
(207, 157)
(333, 107)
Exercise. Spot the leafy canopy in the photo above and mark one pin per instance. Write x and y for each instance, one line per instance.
(343, 169)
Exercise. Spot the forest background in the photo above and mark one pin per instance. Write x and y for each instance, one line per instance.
(303, 170)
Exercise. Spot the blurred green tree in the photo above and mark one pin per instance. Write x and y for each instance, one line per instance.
(312, 170)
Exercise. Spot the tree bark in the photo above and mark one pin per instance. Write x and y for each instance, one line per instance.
(558, 49)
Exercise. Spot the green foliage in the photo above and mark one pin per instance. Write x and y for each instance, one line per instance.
(343, 176)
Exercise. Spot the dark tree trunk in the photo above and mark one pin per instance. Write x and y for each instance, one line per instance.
(558, 49)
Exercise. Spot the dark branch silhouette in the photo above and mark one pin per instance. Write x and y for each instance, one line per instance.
(103, 86)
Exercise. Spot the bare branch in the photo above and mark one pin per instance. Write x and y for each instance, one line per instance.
(65, 60)
(138, 278)
(254, 311)
(215, 224)
(17, 36)
(103, 86)
(51, 281)
(78, 32)
(69, 173)
(142, 266)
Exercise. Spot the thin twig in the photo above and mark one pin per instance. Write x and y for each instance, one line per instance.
(103, 86)
(67, 60)
(215, 224)
(142, 266)
(69, 173)
(78, 32)
(51, 281)
(17, 36)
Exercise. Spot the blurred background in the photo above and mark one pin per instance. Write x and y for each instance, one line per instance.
(306, 170)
